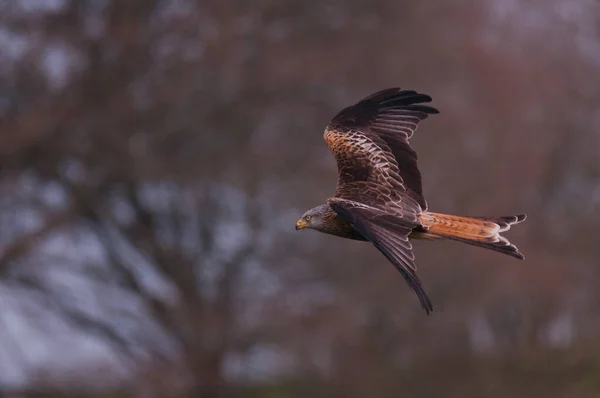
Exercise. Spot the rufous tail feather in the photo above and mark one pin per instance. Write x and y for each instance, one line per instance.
(479, 231)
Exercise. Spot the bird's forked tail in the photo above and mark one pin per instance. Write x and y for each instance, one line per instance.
(478, 231)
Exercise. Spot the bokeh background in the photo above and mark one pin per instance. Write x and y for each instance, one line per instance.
(155, 155)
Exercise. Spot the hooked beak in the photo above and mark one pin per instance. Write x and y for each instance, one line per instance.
(301, 224)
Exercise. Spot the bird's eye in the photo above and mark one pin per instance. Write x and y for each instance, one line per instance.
(307, 218)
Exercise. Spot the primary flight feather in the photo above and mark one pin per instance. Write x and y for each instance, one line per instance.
(379, 195)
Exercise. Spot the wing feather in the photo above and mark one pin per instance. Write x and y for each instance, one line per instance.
(379, 188)
(369, 141)
(389, 234)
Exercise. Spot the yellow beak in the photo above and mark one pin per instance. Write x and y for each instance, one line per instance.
(301, 224)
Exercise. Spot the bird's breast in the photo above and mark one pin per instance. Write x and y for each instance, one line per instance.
(340, 227)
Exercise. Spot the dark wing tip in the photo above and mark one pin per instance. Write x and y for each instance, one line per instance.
(405, 99)
(517, 255)
(423, 108)
(389, 99)
(415, 283)
(427, 306)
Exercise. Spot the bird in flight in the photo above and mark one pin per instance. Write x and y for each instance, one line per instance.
(379, 196)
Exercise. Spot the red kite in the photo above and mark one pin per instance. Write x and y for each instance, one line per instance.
(379, 196)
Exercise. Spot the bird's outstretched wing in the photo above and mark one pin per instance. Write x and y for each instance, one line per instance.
(370, 141)
(379, 185)
(389, 234)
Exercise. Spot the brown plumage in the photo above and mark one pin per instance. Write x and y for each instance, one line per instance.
(379, 196)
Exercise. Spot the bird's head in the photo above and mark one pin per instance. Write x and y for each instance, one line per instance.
(315, 218)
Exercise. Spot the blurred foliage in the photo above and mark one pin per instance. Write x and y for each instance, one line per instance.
(156, 155)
